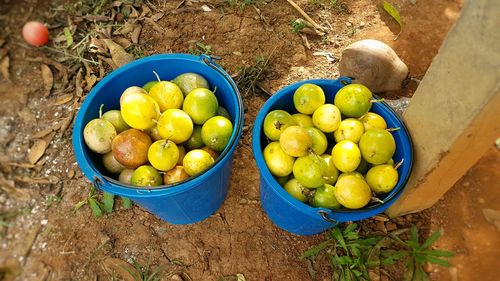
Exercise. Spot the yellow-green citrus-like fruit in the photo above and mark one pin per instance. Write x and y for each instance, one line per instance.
(140, 111)
(276, 122)
(295, 189)
(195, 140)
(303, 120)
(308, 97)
(310, 170)
(216, 132)
(98, 135)
(377, 146)
(349, 129)
(163, 155)
(346, 156)
(326, 118)
(149, 85)
(353, 100)
(200, 104)
(382, 178)
(373, 121)
(295, 141)
(352, 192)
(146, 176)
(331, 172)
(319, 141)
(115, 117)
(175, 125)
(190, 81)
(167, 95)
(324, 197)
(132, 90)
(282, 180)
(196, 161)
(279, 163)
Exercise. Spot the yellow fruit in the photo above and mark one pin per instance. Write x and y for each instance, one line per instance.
(352, 192)
(139, 111)
(175, 125)
(346, 156)
(167, 95)
(326, 118)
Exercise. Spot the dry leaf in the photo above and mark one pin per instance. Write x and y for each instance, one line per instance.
(78, 83)
(48, 78)
(66, 122)
(108, 61)
(118, 54)
(128, 27)
(156, 26)
(134, 13)
(23, 246)
(97, 46)
(37, 150)
(9, 187)
(157, 16)
(135, 34)
(26, 115)
(61, 68)
(63, 99)
(145, 10)
(4, 68)
(120, 268)
(91, 80)
(42, 133)
(124, 42)
(39, 180)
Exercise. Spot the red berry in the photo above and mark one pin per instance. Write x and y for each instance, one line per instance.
(35, 33)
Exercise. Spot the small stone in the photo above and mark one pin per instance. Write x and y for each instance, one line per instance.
(44, 222)
(243, 201)
(391, 226)
(362, 24)
(176, 277)
(348, 24)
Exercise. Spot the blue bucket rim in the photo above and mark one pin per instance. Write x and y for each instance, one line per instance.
(100, 180)
(303, 207)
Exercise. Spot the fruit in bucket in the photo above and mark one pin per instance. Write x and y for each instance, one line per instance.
(310, 170)
(98, 135)
(353, 100)
(276, 122)
(294, 188)
(175, 125)
(130, 148)
(324, 197)
(197, 161)
(175, 175)
(308, 97)
(115, 117)
(382, 178)
(352, 191)
(167, 95)
(146, 176)
(139, 110)
(163, 155)
(377, 146)
(349, 129)
(190, 81)
(326, 118)
(346, 156)
(111, 164)
(200, 104)
(279, 163)
(296, 141)
(216, 132)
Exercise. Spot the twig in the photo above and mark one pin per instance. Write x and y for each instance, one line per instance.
(306, 16)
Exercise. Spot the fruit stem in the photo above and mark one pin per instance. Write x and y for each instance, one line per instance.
(215, 89)
(375, 199)
(157, 76)
(378, 100)
(393, 129)
(399, 164)
(100, 110)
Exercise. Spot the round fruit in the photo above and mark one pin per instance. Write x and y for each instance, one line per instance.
(372, 120)
(182, 153)
(125, 176)
(200, 104)
(140, 111)
(352, 192)
(111, 164)
(294, 188)
(146, 176)
(167, 95)
(346, 156)
(154, 133)
(349, 129)
(276, 122)
(190, 81)
(377, 146)
(295, 141)
(353, 100)
(326, 118)
(174, 175)
(331, 172)
(163, 155)
(279, 163)
(325, 197)
(355, 174)
(310, 170)
(308, 97)
(210, 151)
(196, 161)
(195, 140)
(319, 141)
(98, 135)
(115, 117)
(35, 33)
(382, 178)
(175, 125)
(303, 120)
(221, 111)
(130, 148)
(131, 91)
(216, 132)
(149, 85)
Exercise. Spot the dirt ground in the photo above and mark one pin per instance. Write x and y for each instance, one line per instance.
(48, 240)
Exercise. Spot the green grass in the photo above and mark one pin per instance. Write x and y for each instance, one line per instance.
(297, 25)
(200, 48)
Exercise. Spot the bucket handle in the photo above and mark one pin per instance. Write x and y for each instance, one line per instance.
(209, 60)
(97, 182)
(324, 215)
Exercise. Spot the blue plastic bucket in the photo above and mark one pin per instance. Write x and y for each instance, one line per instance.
(300, 218)
(186, 202)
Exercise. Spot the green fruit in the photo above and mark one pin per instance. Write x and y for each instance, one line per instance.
(197, 161)
(326, 118)
(295, 141)
(276, 122)
(377, 146)
(167, 95)
(310, 170)
(346, 156)
(325, 197)
(331, 172)
(279, 163)
(149, 85)
(115, 117)
(175, 125)
(146, 176)
(163, 155)
(140, 111)
(349, 129)
(190, 81)
(353, 100)
(98, 135)
(195, 141)
(308, 97)
(373, 121)
(216, 132)
(221, 111)
(382, 178)
(319, 141)
(200, 104)
(303, 120)
(352, 192)
(296, 190)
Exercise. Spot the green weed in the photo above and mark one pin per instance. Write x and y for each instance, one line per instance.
(101, 203)
(200, 48)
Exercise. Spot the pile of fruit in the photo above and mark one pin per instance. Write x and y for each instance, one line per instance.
(164, 132)
(359, 165)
